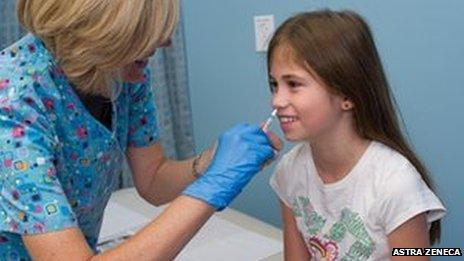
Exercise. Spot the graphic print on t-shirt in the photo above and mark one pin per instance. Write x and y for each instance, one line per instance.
(324, 239)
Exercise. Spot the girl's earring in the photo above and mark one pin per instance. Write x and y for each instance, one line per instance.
(347, 105)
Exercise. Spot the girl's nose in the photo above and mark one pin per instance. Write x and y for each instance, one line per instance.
(279, 100)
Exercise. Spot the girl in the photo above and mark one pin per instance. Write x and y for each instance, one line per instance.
(353, 188)
(60, 152)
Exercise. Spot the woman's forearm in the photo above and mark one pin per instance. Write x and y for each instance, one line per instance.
(158, 179)
(164, 238)
(173, 176)
(169, 181)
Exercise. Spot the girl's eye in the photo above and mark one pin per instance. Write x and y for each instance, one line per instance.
(273, 86)
(293, 84)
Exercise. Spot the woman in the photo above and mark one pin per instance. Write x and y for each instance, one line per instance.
(75, 99)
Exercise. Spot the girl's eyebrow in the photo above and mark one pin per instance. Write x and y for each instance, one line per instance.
(291, 76)
(286, 76)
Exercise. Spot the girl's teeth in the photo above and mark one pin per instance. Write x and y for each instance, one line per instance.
(288, 119)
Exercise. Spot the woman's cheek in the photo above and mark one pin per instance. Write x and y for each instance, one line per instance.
(133, 73)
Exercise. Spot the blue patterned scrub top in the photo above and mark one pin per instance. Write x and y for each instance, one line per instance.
(58, 164)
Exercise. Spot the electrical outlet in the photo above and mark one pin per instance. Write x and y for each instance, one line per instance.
(264, 28)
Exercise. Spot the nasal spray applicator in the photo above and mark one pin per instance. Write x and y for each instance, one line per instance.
(265, 128)
(268, 122)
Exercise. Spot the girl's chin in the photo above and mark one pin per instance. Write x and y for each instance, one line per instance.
(295, 137)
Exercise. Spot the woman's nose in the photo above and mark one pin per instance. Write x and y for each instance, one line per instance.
(167, 43)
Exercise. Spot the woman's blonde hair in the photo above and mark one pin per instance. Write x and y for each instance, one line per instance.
(93, 39)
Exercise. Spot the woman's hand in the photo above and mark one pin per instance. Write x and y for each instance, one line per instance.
(207, 155)
(240, 154)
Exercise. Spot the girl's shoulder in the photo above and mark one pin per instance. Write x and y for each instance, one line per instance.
(294, 161)
(392, 173)
(388, 162)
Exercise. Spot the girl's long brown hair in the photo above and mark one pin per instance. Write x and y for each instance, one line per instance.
(339, 47)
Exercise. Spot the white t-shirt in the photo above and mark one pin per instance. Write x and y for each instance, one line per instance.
(351, 218)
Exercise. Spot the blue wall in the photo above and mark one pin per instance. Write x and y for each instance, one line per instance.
(422, 47)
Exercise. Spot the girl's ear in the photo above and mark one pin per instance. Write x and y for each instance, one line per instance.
(347, 104)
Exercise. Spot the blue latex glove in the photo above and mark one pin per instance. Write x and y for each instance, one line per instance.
(240, 154)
